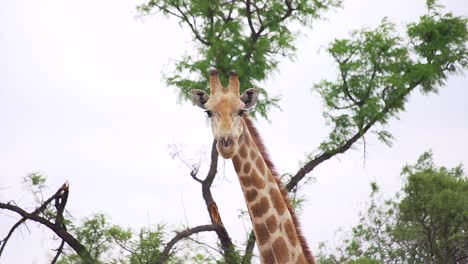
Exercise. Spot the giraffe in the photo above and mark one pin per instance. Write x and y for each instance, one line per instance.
(274, 222)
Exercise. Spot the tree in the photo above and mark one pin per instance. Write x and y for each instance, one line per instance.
(377, 71)
(426, 223)
(248, 36)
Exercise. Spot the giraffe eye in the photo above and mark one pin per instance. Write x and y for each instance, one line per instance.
(209, 113)
(241, 112)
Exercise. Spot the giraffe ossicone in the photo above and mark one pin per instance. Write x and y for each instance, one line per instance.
(273, 219)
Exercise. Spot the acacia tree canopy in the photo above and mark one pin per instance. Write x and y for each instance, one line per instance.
(427, 222)
(378, 69)
(247, 36)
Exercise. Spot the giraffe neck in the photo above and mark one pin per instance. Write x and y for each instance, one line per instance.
(273, 220)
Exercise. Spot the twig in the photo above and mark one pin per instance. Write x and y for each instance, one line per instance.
(165, 254)
(13, 228)
(59, 252)
(206, 245)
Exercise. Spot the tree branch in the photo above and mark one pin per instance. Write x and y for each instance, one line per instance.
(289, 10)
(249, 247)
(59, 230)
(181, 15)
(256, 34)
(165, 254)
(59, 252)
(38, 210)
(309, 166)
(211, 206)
(13, 228)
(248, 13)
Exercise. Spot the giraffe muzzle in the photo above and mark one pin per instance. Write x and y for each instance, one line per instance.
(226, 142)
(227, 146)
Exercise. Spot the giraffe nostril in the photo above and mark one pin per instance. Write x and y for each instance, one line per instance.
(223, 142)
(226, 141)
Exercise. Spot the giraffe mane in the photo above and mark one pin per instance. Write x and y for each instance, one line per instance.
(284, 193)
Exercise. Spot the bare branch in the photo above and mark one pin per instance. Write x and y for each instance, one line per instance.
(60, 202)
(206, 245)
(194, 173)
(13, 228)
(38, 210)
(59, 252)
(59, 230)
(165, 254)
(211, 206)
(181, 15)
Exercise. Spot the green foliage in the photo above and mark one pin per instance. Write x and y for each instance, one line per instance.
(428, 224)
(146, 248)
(108, 243)
(378, 69)
(112, 244)
(98, 236)
(247, 36)
(35, 180)
(436, 213)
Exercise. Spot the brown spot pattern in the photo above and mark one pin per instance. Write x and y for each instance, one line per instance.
(246, 140)
(261, 207)
(291, 232)
(262, 233)
(260, 165)
(257, 181)
(246, 167)
(277, 201)
(272, 224)
(246, 181)
(267, 256)
(257, 144)
(251, 195)
(237, 163)
(280, 250)
(243, 151)
(253, 154)
(270, 178)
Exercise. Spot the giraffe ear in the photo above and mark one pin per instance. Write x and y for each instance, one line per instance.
(199, 98)
(249, 97)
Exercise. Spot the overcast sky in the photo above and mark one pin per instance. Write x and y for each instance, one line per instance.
(82, 100)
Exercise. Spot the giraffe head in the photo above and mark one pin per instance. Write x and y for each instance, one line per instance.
(225, 107)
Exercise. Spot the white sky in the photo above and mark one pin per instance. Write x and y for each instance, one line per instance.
(82, 100)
